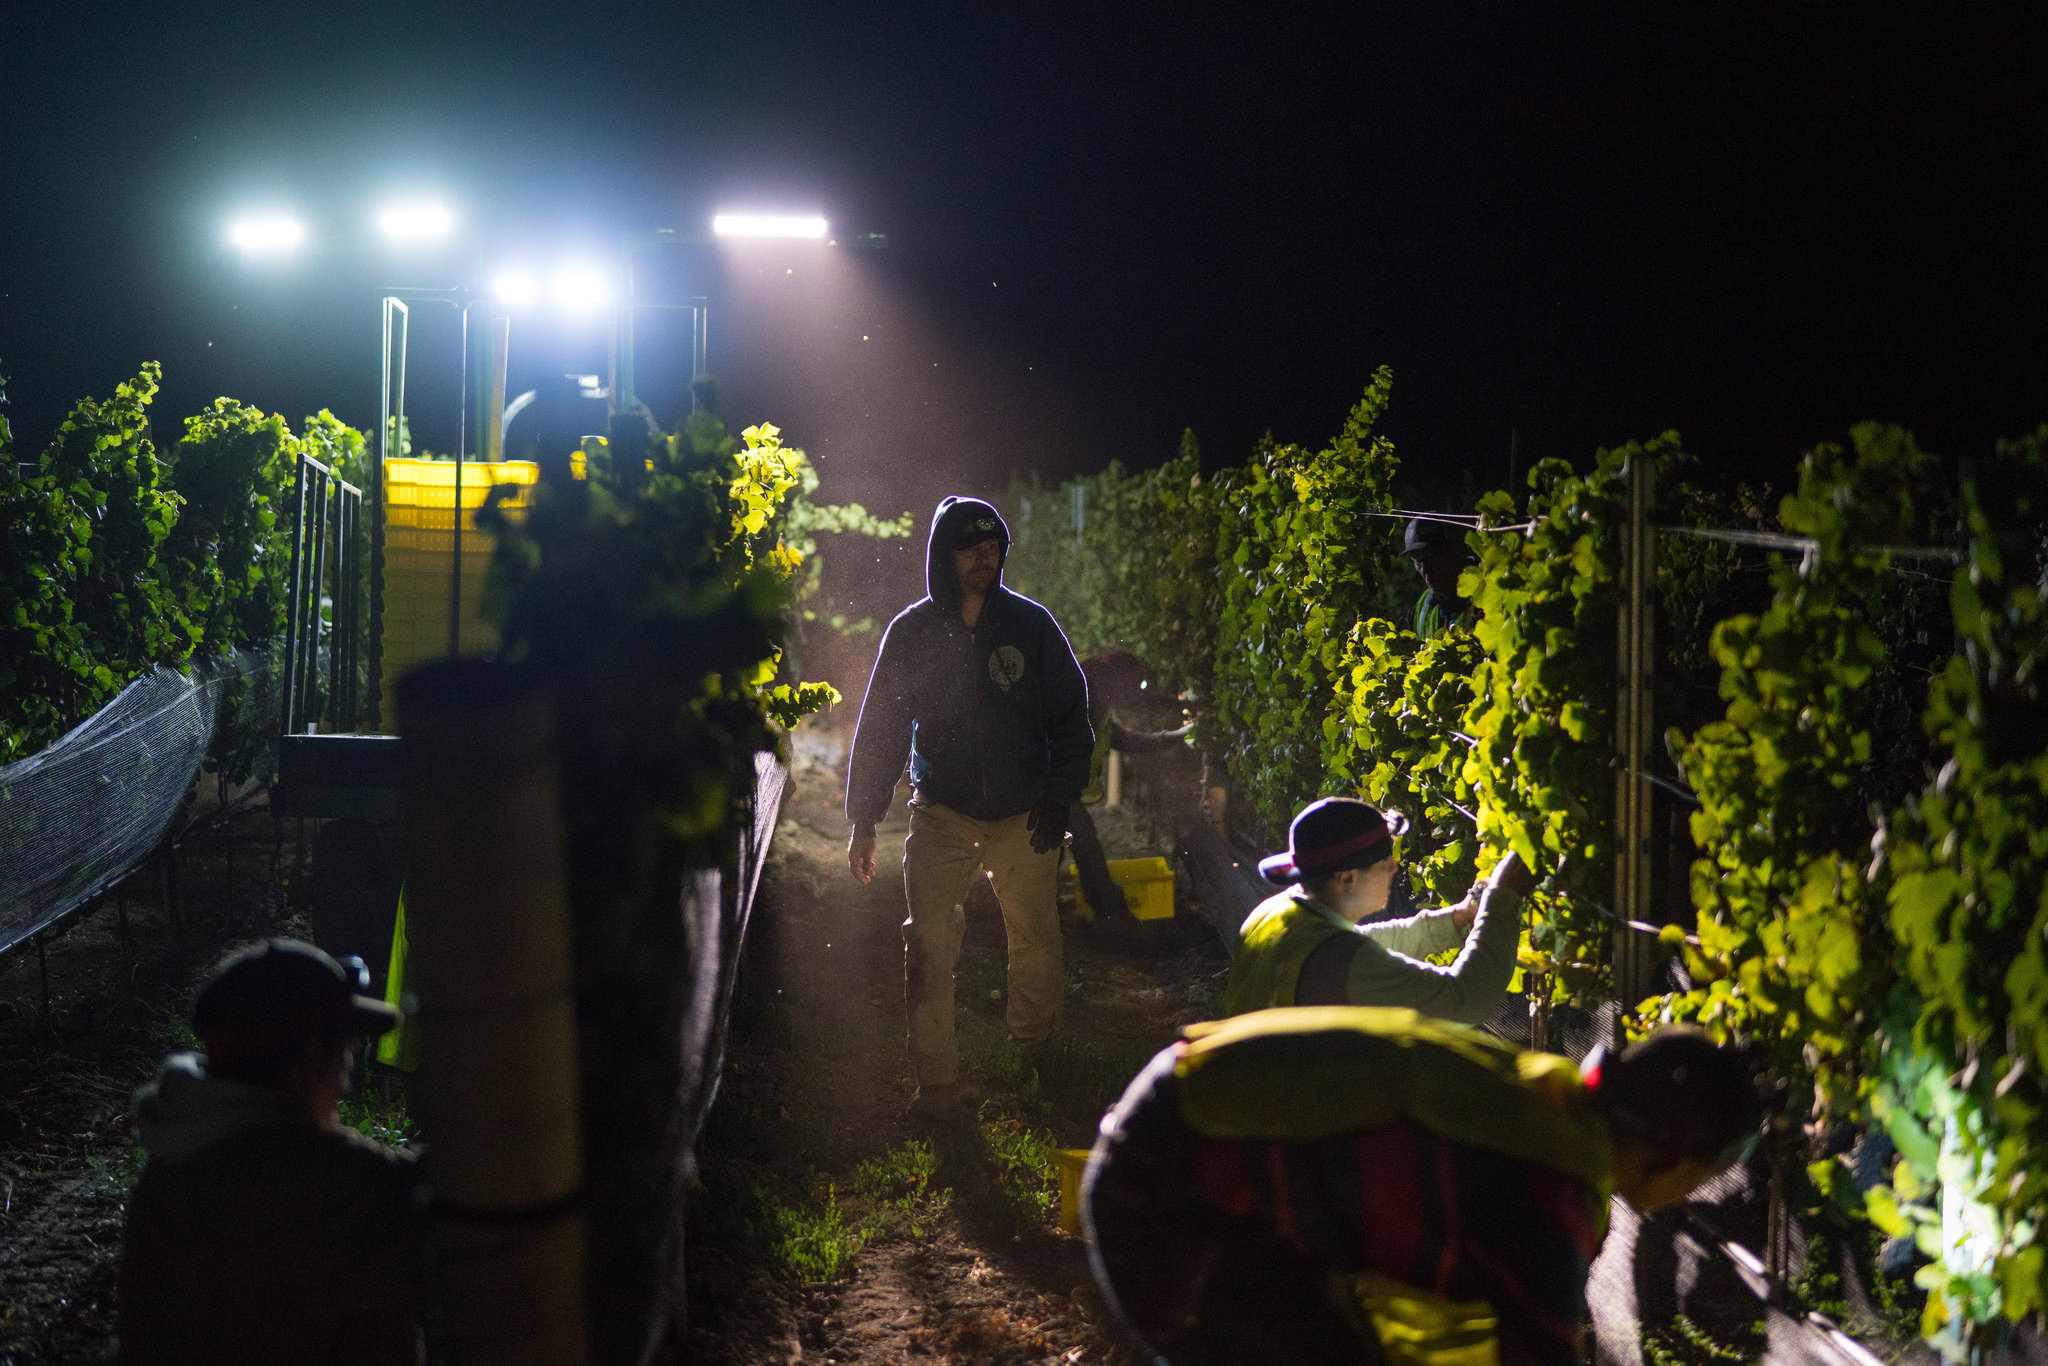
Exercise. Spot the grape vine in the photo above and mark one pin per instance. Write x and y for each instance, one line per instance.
(1960, 1088)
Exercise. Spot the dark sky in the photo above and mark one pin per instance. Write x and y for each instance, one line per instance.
(1757, 224)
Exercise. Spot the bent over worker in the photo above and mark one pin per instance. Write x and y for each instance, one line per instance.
(978, 687)
(263, 1230)
(1116, 680)
(1331, 1186)
(1311, 944)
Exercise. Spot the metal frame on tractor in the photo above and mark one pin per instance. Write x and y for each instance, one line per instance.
(327, 765)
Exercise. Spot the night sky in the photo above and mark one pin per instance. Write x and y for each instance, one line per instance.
(1105, 223)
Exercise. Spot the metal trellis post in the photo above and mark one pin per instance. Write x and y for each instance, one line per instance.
(1635, 725)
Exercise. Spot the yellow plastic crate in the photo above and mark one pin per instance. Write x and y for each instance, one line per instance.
(439, 521)
(421, 493)
(1147, 882)
(1071, 1162)
(411, 567)
(413, 471)
(431, 483)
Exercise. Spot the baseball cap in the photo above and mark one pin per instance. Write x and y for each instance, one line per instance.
(965, 522)
(1425, 534)
(269, 997)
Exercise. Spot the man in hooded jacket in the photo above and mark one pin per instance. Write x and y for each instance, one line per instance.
(263, 1230)
(979, 689)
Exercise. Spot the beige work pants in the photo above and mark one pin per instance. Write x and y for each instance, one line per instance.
(941, 857)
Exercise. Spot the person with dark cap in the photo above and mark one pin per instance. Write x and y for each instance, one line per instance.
(1439, 553)
(1330, 1187)
(1312, 945)
(1116, 679)
(262, 1230)
(977, 687)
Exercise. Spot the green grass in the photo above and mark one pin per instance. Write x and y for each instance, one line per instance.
(378, 1111)
(814, 1240)
(810, 1229)
(1021, 1159)
(900, 1177)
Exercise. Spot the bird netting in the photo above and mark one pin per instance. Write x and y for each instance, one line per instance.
(76, 816)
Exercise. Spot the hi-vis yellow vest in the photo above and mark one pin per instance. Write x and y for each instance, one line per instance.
(1274, 942)
(1309, 1073)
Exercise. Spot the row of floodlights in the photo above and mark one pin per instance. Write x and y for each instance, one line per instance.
(424, 224)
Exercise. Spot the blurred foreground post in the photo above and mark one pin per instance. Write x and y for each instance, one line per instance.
(487, 917)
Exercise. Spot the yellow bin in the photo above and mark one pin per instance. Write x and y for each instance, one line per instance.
(1071, 1162)
(419, 558)
(1147, 882)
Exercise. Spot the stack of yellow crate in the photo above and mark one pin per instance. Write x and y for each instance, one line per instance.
(419, 559)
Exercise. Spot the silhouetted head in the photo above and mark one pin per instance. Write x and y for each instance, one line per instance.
(968, 540)
(1438, 552)
(1116, 680)
(268, 1008)
(1681, 1110)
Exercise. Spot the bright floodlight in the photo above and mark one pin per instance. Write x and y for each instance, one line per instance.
(278, 233)
(516, 287)
(580, 288)
(416, 223)
(766, 225)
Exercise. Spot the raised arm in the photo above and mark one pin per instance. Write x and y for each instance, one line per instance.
(1472, 985)
(1422, 935)
(1146, 741)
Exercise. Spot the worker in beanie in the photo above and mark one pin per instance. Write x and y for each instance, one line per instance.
(1313, 944)
(1328, 1187)
(262, 1230)
(977, 688)
(1439, 553)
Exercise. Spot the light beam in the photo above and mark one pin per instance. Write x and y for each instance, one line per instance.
(416, 224)
(273, 234)
(767, 225)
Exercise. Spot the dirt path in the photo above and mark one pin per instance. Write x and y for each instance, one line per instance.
(962, 1258)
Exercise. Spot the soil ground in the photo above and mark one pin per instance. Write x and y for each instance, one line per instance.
(967, 1263)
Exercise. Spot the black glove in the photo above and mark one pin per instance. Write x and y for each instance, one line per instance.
(1048, 824)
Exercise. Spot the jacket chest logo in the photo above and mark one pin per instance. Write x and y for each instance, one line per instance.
(1006, 666)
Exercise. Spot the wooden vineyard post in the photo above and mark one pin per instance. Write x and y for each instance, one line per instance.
(487, 924)
(1635, 725)
(1778, 1215)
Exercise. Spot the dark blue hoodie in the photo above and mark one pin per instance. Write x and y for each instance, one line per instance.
(992, 719)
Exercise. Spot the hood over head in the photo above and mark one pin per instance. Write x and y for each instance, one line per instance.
(184, 1111)
(956, 524)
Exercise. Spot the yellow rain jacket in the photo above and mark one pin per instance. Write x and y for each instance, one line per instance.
(1305, 1074)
